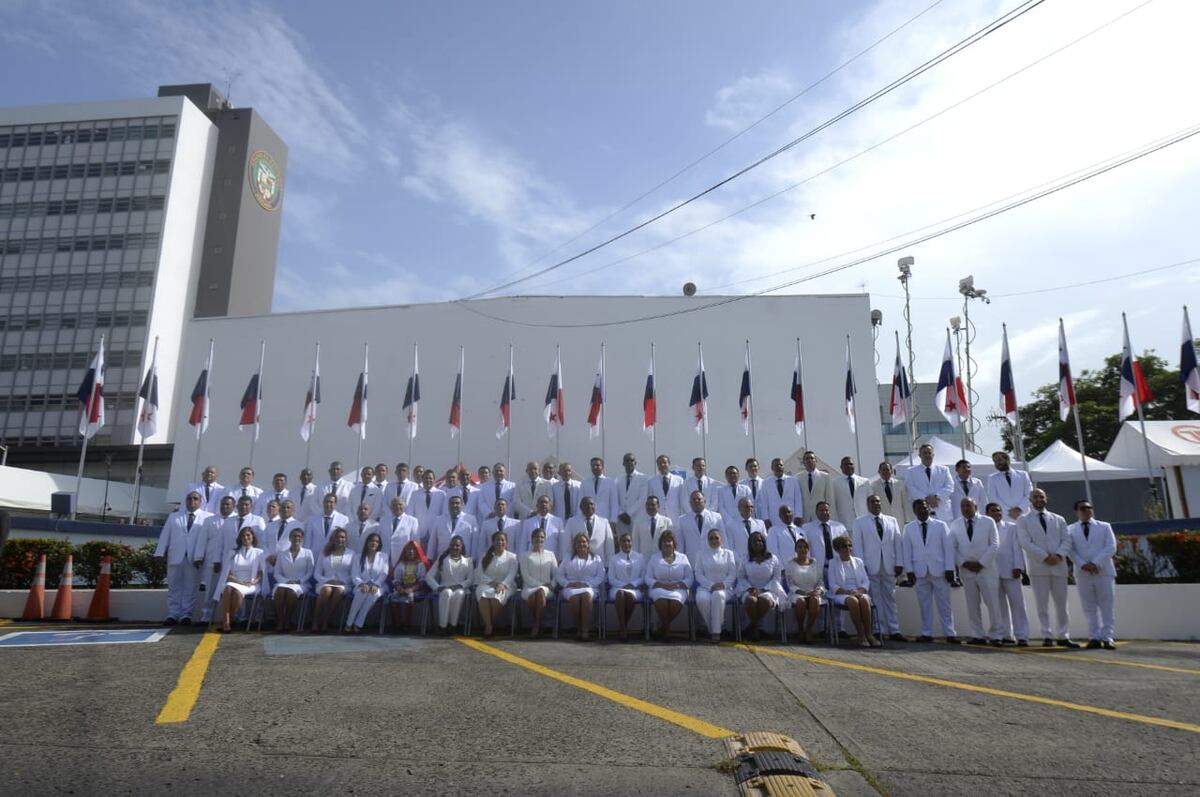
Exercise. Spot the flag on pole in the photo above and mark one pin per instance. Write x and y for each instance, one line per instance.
(597, 403)
(358, 405)
(91, 396)
(1008, 388)
(412, 396)
(251, 398)
(147, 423)
(698, 403)
(1134, 389)
(951, 397)
(199, 415)
(744, 395)
(649, 408)
(850, 391)
(900, 392)
(456, 401)
(311, 399)
(1189, 373)
(1066, 385)
(507, 396)
(555, 399)
(798, 396)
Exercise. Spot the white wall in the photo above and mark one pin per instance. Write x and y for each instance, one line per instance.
(771, 323)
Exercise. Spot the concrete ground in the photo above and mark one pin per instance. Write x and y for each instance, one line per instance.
(374, 715)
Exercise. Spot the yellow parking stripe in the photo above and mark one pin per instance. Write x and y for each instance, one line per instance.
(1119, 663)
(986, 690)
(682, 720)
(183, 697)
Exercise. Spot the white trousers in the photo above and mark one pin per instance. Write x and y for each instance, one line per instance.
(449, 606)
(983, 587)
(209, 602)
(883, 595)
(711, 606)
(360, 607)
(1096, 593)
(181, 590)
(1045, 588)
(930, 590)
(1014, 622)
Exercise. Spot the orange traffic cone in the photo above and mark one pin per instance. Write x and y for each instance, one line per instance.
(62, 598)
(98, 609)
(35, 605)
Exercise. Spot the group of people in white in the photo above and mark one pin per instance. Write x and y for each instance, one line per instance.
(768, 543)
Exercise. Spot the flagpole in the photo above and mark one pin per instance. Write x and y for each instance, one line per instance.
(200, 426)
(508, 380)
(1087, 482)
(558, 427)
(800, 359)
(1018, 442)
(753, 430)
(362, 422)
(654, 428)
(137, 473)
(462, 361)
(410, 428)
(600, 418)
(854, 415)
(908, 421)
(703, 405)
(87, 409)
(262, 357)
(313, 386)
(1137, 402)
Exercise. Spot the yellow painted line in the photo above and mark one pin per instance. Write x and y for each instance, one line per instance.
(985, 690)
(682, 720)
(1119, 663)
(183, 697)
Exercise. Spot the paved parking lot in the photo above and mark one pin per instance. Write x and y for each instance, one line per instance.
(379, 715)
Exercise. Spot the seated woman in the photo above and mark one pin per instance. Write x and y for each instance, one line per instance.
(669, 575)
(758, 583)
(626, 577)
(537, 578)
(408, 582)
(333, 575)
(716, 575)
(579, 578)
(495, 580)
(806, 587)
(293, 568)
(449, 580)
(370, 581)
(244, 573)
(849, 585)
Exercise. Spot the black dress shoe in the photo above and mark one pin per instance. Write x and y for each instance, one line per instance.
(924, 639)
(1022, 643)
(1008, 641)
(996, 643)
(1093, 644)
(1107, 645)
(170, 621)
(1066, 643)
(897, 638)
(1047, 642)
(953, 640)
(186, 621)
(976, 641)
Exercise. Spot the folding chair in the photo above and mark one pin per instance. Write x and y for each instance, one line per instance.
(833, 612)
(731, 606)
(609, 601)
(256, 606)
(518, 601)
(597, 614)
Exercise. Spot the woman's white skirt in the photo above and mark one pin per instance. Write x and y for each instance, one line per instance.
(840, 600)
(322, 584)
(634, 593)
(571, 592)
(244, 589)
(527, 593)
(800, 597)
(676, 595)
(296, 589)
(486, 591)
(771, 597)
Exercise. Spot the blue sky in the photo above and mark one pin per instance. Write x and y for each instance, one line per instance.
(440, 148)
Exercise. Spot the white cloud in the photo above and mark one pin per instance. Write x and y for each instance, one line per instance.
(748, 98)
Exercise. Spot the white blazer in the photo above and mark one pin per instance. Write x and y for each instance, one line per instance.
(446, 529)
(781, 542)
(590, 571)
(822, 490)
(300, 568)
(934, 556)
(553, 527)
(975, 491)
(845, 508)
(631, 493)
(715, 567)
(737, 536)
(674, 503)
(1009, 495)
(753, 488)
(335, 567)
(939, 481)
(180, 544)
(314, 529)
(374, 571)
(608, 503)
(266, 496)
(559, 507)
(816, 539)
(341, 489)
(879, 555)
(526, 493)
(406, 529)
(278, 541)
(427, 515)
(601, 537)
(627, 570)
(691, 539)
(728, 497)
(847, 575)
(898, 506)
(1039, 543)
(769, 498)
(761, 575)
(659, 569)
(645, 541)
(537, 570)
(450, 573)
(484, 499)
(357, 532)
(210, 499)
(220, 534)
(1097, 548)
(502, 568)
(1010, 556)
(983, 546)
(708, 487)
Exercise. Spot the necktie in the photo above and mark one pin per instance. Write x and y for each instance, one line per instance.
(628, 479)
(279, 531)
(966, 488)
(428, 497)
(810, 482)
(1008, 478)
(533, 488)
(666, 487)
(497, 491)
(887, 489)
(499, 524)
(1042, 520)
(327, 521)
(779, 486)
(362, 496)
(1086, 529)
(589, 526)
(828, 541)
(653, 525)
(924, 532)
(453, 522)
(395, 523)
(879, 527)
(596, 481)
(279, 498)
(700, 524)
(929, 473)
(207, 493)
(746, 523)
(244, 493)
(850, 481)
(754, 488)
(566, 500)
(971, 529)
(191, 520)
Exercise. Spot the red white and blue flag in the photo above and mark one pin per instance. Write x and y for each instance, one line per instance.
(251, 399)
(507, 396)
(147, 423)
(1066, 385)
(357, 419)
(649, 401)
(698, 403)
(555, 398)
(91, 396)
(850, 390)
(199, 414)
(596, 405)
(951, 398)
(456, 399)
(900, 391)
(311, 399)
(744, 394)
(798, 393)
(1189, 373)
(1134, 390)
(1008, 388)
(412, 397)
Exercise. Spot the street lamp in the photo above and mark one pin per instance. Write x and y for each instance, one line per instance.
(905, 265)
(966, 286)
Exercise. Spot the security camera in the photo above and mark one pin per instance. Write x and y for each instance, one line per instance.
(956, 323)
(689, 289)
(876, 318)
(966, 284)
(905, 265)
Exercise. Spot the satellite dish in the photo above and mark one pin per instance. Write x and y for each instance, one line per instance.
(689, 289)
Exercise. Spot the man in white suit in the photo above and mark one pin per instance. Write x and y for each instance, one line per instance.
(731, 493)
(1093, 545)
(648, 527)
(337, 484)
(245, 486)
(602, 490)
(667, 488)
(782, 536)
(753, 482)
(499, 521)
(850, 493)
(320, 526)
(966, 486)
(455, 523)
(931, 483)
(976, 544)
(893, 495)
(1043, 536)
(776, 492)
(631, 493)
(821, 532)
(398, 529)
(528, 490)
(598, 531)
(358, 529)
(1009, 488)
(1010, 564)
(739, 527)
(542, 519)
(278, 534)
(876, 540)
(427, 505)
(929, 562)
(399, 487)
(211, 491)
(814, 487)
(700, 480)
(692, 528)
(308, 502)
(567, 493)
(179, 544)
(220, 538)
(278, 493)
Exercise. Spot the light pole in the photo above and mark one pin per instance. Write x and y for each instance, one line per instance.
(905, 265)
(966, 286)
(956, 326)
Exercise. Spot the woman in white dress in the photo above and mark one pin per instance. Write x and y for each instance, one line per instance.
(244, 573)
(293, 568)
(849, 585)
(333, 575)
(626, 577)
(370, 581)
(669, 576)
(806, 588)
(449, 579)
(758, 583)
(408, 582)
(580, 578)
(716, 576)
(495, 581)
(538, 566)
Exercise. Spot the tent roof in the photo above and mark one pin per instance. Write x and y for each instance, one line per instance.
(946, 453)
(1061, 463)
(1172, 443)
(25, 489)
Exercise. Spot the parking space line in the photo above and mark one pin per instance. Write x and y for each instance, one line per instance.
(682, 720)
(986, 690)
(1118, 662)
(183, 697)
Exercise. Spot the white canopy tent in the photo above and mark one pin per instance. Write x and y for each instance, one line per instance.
(1174, 454)
(30, 490)
(1061, 463)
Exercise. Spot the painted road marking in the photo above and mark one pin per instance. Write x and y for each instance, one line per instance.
(682, 720)
(183, 697)
(986, 690)
(1119, 662)
(124, 636)
(288, 645)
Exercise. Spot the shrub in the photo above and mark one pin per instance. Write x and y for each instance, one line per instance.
(20, 557)
(152, 571)
(87, 562)
(1182, 549)
(1134, 565)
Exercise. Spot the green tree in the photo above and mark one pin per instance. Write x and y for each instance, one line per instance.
(1098, 394)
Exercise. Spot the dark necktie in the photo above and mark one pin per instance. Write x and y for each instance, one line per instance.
(971, 530)
(428, 497)
(746, 523)
(700, 525)
(966, 488)
(653, 525)
(887, 489)
(279, 498)
(453, 522)
(924, 532)
(828, 541)
(566, 500)
(596, 491)
(362, 496)
(328, 519)
(779, 485)
(191, 520)
(1008, 478)
(497, 490)
(810, 482)
(395, 523)
(929, 473)
(499, 524)
(207, 493)
(1042, 520)
(279, 532)
(879, 527)
(754, 488)
(666, 487)
(244, 493)
(533, 489)
(850, 481)
(1086, 529)
(628, 479)
(590, 523)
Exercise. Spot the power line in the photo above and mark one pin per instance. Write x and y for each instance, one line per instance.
(945, 55)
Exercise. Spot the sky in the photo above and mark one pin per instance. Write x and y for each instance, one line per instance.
(438, 150)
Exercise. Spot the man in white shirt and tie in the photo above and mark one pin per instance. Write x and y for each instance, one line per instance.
(499, 521)
(976, 543)
(753, 483)
(527, 490)
(876, 540)
(929, 562)
(338, 485)
(543, 519)
(1009, 488)
(279, 533)
(740, 525)
(245, 486)
(597, 529)
(776, 492)
(821, 532)
(1093, 546)
(602, 490)
(631, 493)
(730, 493)
(220, 538)
(1010, 564)
(455, 523)
(693, 527)
(966, 486)
(850, 493)
(893, 495)
(279, 492)
(320, 526)
(566, 493)
(306, 498)
(211, 491)
(782, 536)
(479, 503)
(700, 480)
(359, 528)
(814, 486)
(178, 544)
(931, 483)
(1044, 538)
(398, 487)
(648, 526)
(365, 491)
(499, 489)
(427, 505)
(399, 529)
(667, 488)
